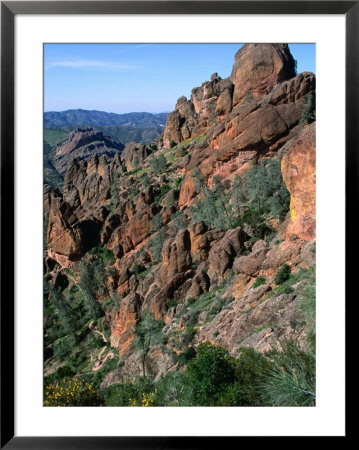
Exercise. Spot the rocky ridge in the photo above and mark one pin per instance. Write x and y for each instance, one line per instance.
(201, 281)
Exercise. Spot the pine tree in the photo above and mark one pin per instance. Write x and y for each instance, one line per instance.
(290, 381)
(153, 164)
(198, 180)
(162, 163)
(88, 288)
(179, 221)
(212, 206)
(159, 238)
(145, 180)
(64, 311)
(99, 275)
(238, 195)
(158, 165)
(265, 188)
(220, 198)
(148, 333)
(307, 112)
(135, 164)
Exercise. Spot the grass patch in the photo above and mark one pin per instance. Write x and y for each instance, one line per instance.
(294, 278)
(259, 281)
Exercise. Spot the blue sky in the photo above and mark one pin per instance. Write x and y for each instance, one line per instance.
(124, 78)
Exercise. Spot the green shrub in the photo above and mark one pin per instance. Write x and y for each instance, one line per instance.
(178, 181)
(64, 346)
(250, 371)
(172, 302)
(158, 164)
(187, 355)
(164, 189)
(188, 335)
(288, 290)
(283, 274)
(307, 291)
(77, 360)
(61, 373)
(173, 390)
(210, 374)
(139, 268)
(217, 306)
(98, 341)
(129, 394)
(192, 317)
(148, 333)
(258, 282)
(308, 111)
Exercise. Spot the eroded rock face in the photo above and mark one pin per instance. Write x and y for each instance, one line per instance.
(259, 67)
(124, 322)
(71, 241)
(180, 123)
(212, 98)
(237, 328)
(251, 131)
(298, 169)
(133, 154)
(84, 143)
(200, 284)
(60, 236)
(133, 232)
(285, 252)
(176, 255)
(251, 264)
(223, 252)
(227, 123)
(87, 180)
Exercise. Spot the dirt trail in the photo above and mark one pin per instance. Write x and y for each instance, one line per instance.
(100, 363)
(98, 332)
(110, 354)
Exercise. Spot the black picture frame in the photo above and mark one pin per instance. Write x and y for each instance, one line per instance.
(9, 9)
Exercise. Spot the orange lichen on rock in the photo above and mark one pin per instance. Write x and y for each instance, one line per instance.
(298, 170)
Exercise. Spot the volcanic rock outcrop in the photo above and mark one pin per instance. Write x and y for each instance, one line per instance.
(194, 277)
(84, 143)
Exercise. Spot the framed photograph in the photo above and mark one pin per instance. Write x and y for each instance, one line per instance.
(175, 178)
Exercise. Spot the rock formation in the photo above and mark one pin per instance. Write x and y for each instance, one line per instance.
(161, 259)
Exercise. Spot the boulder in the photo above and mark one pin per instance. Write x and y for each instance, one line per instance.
(200, 284)
(258, 68)
(134, 152)
(223, 252)
(124, 322)
(251, 264)
(176, 255)
(179, 123)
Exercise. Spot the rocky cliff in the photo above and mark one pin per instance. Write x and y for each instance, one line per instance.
(194, 228)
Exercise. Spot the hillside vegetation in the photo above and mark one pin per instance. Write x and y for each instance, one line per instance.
(181, 272)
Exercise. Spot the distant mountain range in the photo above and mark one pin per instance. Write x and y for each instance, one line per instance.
(80, 117)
